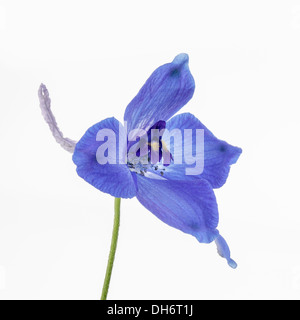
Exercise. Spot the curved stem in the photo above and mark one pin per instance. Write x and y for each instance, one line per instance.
(113, 248)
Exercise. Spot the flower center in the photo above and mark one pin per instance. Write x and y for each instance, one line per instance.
(151, 152)
(141, 165)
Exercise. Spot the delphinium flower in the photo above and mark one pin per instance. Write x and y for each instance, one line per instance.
(170, 163)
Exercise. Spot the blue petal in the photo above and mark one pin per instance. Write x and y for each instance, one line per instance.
(115, 179)
(218, 154)
(224, 251)
(167, 90)
(188, 206)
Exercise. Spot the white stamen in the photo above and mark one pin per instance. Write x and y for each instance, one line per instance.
(45, 105)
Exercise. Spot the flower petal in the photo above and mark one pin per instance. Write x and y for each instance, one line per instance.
(224, 251)
(218, 154)
(113, 178)
(188, 206)
(167, 90)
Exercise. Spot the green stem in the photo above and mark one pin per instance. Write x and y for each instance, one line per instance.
(113, 248)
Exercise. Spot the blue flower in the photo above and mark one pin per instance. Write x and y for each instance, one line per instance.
(185, 202)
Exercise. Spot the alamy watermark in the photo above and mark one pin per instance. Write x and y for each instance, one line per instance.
(141, 149)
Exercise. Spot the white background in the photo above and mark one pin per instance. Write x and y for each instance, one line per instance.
(94, 56)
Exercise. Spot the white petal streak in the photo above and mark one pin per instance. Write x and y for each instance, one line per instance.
(45, 105)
